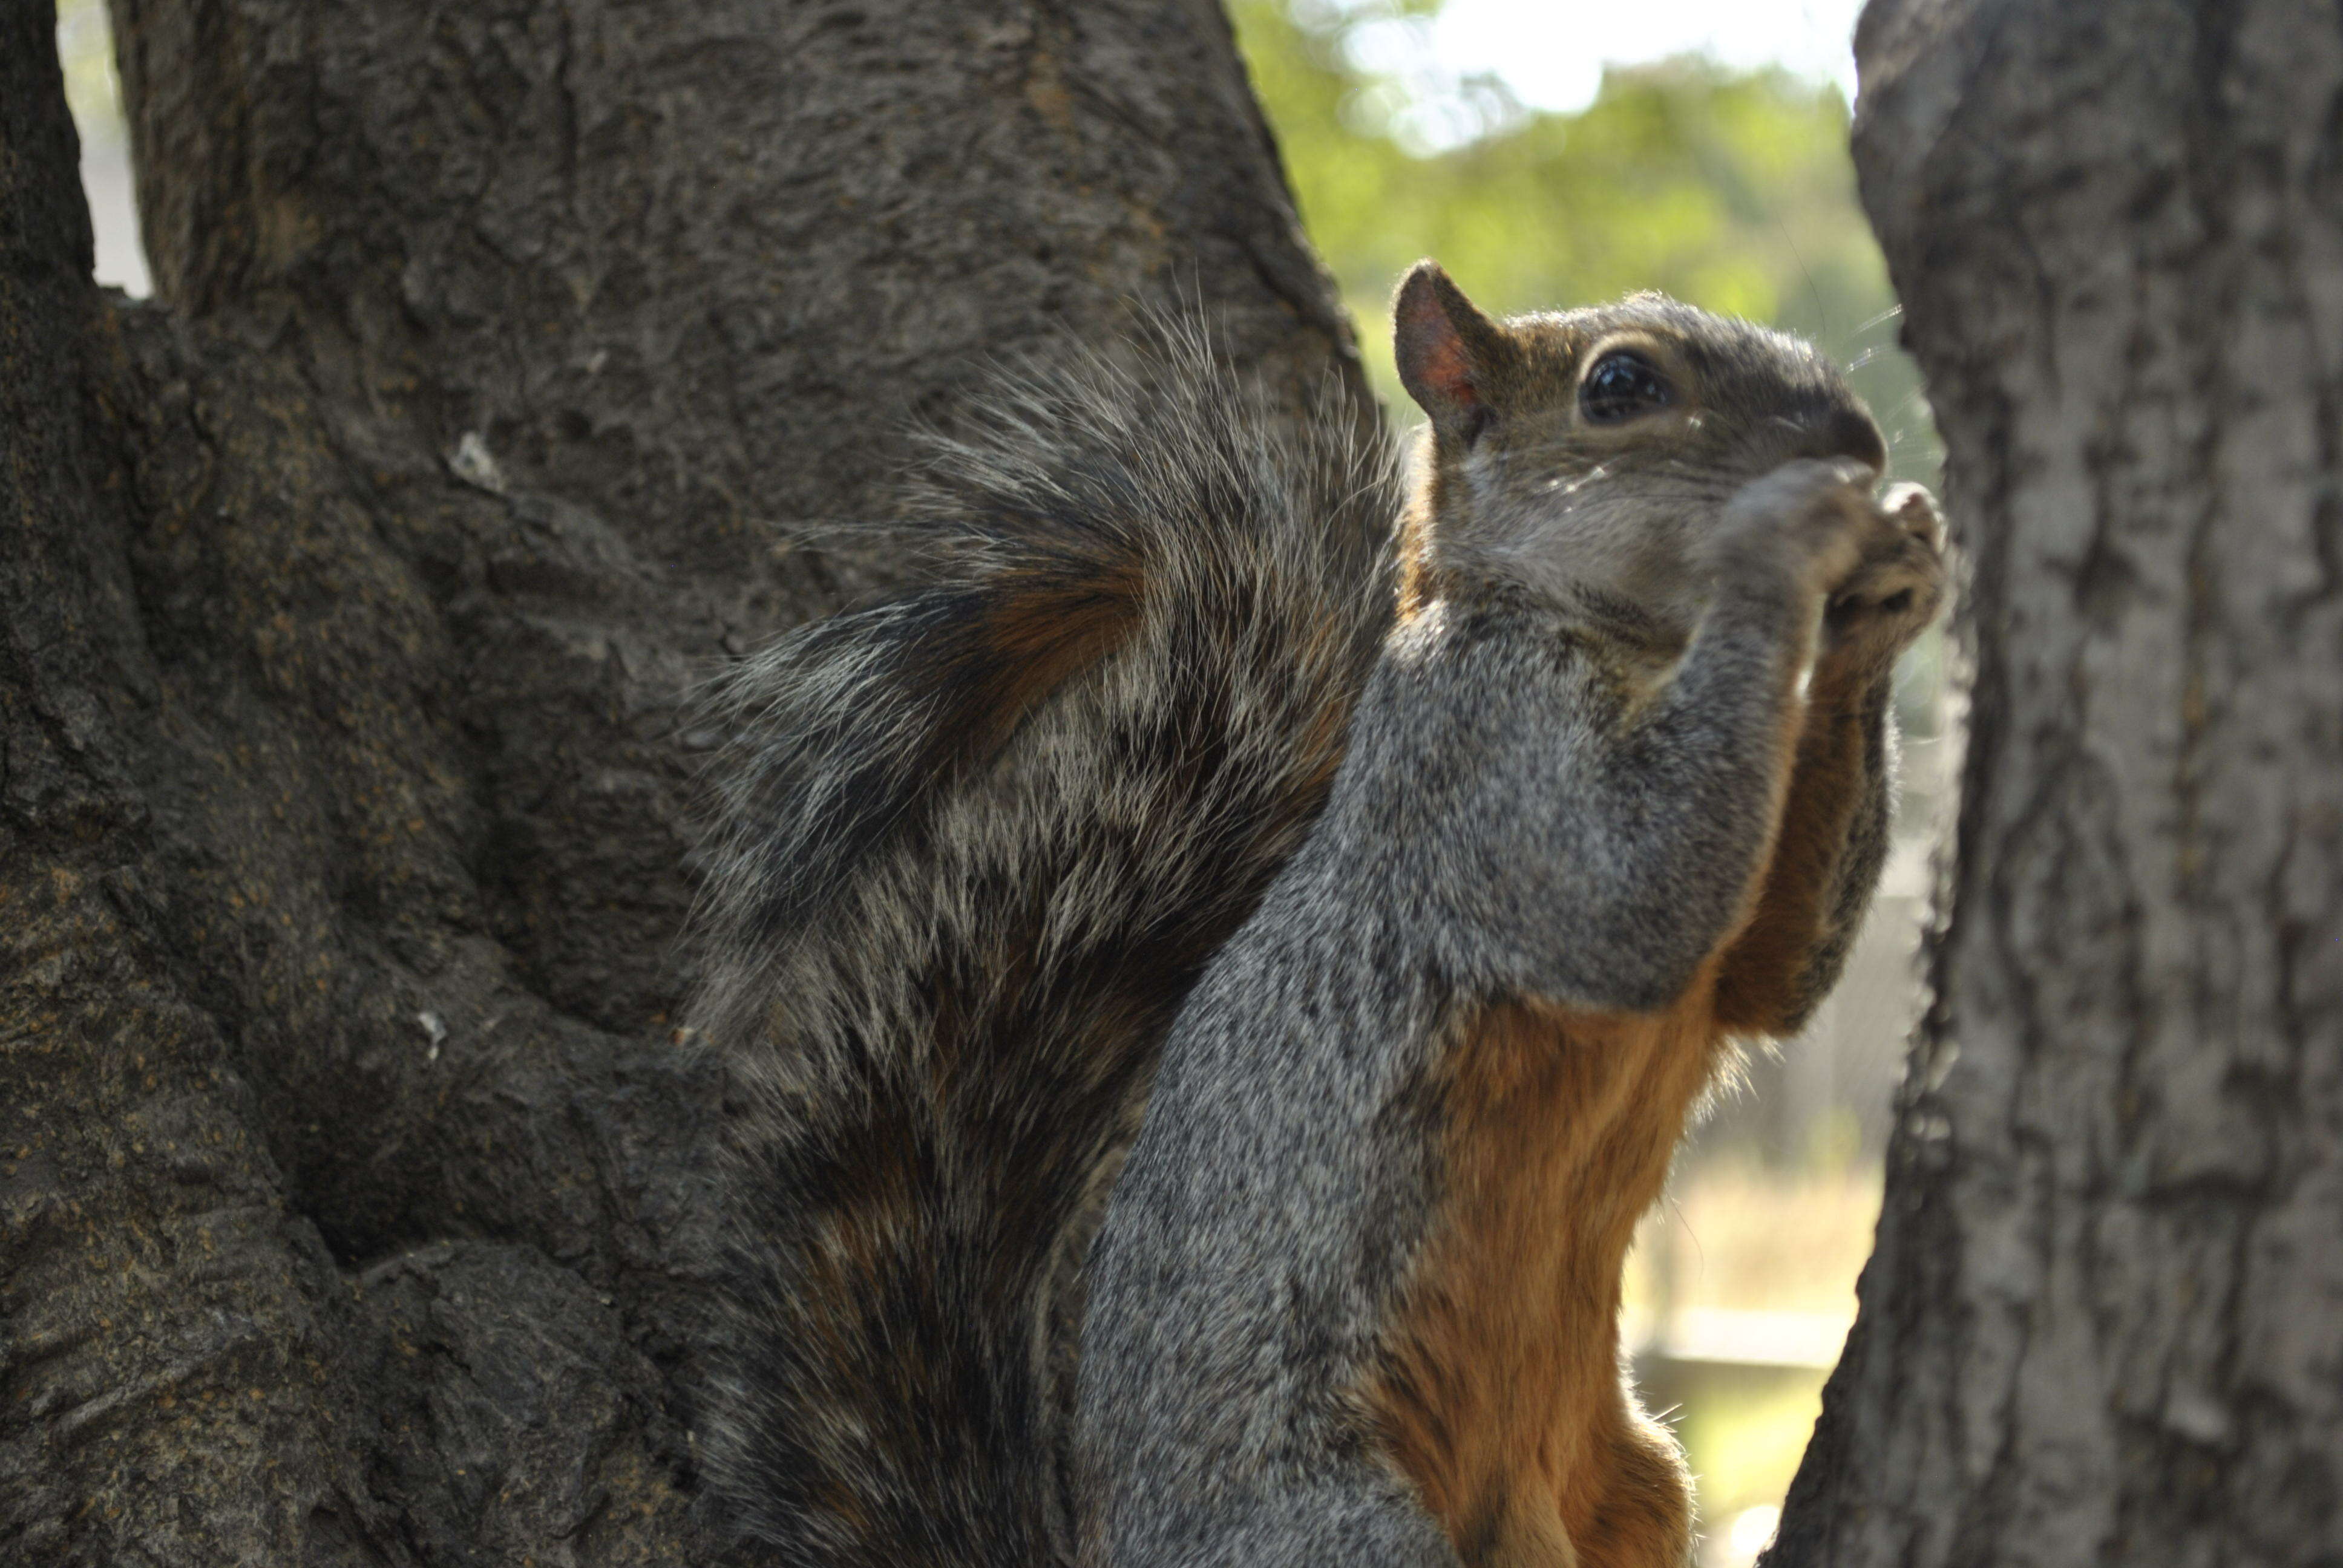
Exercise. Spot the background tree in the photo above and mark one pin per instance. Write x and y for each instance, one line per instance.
(2104, 1320)
(351, 1203)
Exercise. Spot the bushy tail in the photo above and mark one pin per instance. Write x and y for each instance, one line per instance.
(979, 842)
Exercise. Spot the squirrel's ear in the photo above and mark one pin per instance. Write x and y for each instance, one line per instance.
(1450, 354)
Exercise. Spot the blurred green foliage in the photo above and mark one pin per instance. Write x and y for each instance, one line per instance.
(1731, 190)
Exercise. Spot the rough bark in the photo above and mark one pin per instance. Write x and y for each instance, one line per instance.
(2104, 1320)
(506, 358)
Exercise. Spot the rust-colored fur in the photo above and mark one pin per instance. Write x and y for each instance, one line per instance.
(1502, 1398)
(1502, 1402)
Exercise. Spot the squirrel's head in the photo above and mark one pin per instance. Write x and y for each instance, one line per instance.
(1587, 452)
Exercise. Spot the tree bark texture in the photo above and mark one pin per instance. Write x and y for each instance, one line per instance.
(513, 363)
(2104, 1324)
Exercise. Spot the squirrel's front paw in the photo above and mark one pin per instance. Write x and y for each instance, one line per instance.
(1811, 518)
(1897, 587)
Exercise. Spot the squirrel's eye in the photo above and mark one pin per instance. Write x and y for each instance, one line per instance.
(1620, 387)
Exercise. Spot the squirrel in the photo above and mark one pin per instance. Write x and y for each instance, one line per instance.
(1212, 982)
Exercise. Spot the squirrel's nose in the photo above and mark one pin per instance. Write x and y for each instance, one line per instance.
(1844, 431)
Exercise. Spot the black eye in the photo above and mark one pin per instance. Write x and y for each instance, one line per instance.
(1620, 387)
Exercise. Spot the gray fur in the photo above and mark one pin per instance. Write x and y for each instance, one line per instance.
(1472, 849)
(1554, 791)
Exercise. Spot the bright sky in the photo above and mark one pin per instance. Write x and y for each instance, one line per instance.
(1551, 53)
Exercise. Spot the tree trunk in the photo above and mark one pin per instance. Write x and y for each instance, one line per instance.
(2104, 1320)
(507, 357)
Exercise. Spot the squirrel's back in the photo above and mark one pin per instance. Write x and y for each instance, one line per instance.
(978, 842)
